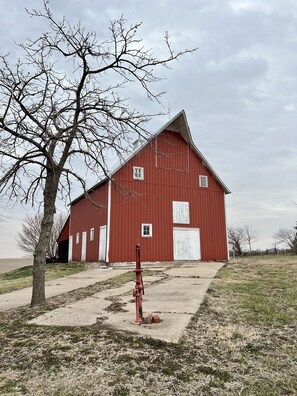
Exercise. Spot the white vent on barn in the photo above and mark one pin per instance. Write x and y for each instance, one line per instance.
(137, 143)
(180, 212)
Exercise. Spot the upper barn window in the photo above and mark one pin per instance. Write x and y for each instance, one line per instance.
(203, 181)
(138, 173)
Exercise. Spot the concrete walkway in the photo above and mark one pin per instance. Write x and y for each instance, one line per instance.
(175, 294)
(58, 286)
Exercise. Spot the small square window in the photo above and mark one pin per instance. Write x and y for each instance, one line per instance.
(91, 234)
(138, 173)
(77, 238)
(203, 181)
(146, 230)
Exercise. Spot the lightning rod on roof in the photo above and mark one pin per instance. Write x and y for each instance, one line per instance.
(169, 111)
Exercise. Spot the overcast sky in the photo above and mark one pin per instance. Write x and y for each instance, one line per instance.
(239, 91)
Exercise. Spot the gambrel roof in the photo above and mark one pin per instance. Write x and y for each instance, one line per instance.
(178, 124)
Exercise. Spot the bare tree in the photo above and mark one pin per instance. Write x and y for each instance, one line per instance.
(288, 237)
(28, 237)
(236, 239)
(250, 236)
(62, 105)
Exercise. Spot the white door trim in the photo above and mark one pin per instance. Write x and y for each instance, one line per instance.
(102, 254)
(70, 247)
(83, 246)
(108, 221)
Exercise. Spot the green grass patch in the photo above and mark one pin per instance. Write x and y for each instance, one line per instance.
(263, 292)
(19, 273)
(22, 277)
(8, 386)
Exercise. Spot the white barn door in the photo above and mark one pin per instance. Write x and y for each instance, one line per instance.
(70, 248)
(102, 243)
(186, 244)
(83, 246)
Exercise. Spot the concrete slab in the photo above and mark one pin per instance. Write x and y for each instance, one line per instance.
(175, 298)
(58, 286)
(70, 316)
(177, 295)
(199, 269)
(170, 328)
(89, 310)
(153, 278)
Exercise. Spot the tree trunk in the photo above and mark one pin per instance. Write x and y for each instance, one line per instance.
(50, 193)
(238, 248)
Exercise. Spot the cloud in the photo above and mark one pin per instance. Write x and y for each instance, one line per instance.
(283, 7)
(238, 89)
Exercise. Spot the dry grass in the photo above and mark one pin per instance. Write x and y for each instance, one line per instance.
(241, 342)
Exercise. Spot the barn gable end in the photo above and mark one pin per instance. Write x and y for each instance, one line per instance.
(166, 197)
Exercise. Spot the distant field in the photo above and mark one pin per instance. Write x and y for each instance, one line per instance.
(22, 277)
(242, 342)
(9, 264)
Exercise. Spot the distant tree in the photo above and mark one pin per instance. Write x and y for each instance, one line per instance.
(250, 236)
(288, 237)
(28, 237)
(237, 239)
(65, 103)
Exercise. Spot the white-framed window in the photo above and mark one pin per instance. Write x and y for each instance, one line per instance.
(146, 230)
(77, 238)
(203, 181)
(92, 234)
(180, 212)
(138, 173)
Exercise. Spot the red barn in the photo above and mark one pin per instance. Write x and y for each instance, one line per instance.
(166, 197)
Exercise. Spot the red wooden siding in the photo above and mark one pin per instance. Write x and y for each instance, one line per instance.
(84, 216)
(170, 152)
(171, 173)
(64, 235)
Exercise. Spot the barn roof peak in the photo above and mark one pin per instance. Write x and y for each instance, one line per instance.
(179, 124)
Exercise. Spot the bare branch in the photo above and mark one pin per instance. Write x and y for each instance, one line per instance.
(63, 109)
(28, 237)
(250, 236)
(236, 239)
(287, 237)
